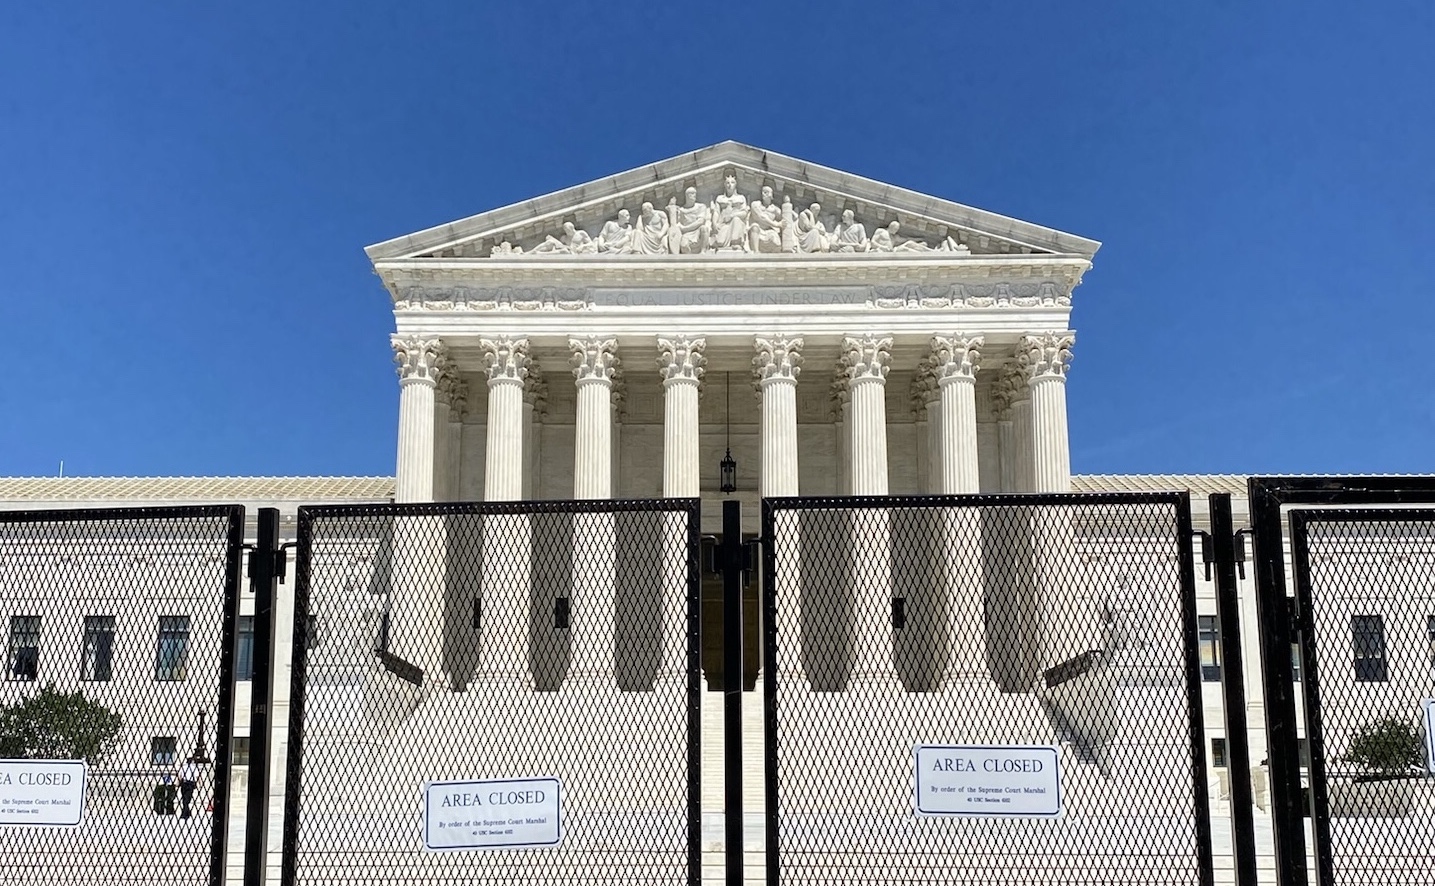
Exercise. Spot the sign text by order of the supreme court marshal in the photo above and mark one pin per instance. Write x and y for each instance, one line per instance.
(43, 792)
(514, 813)
(1022, 781)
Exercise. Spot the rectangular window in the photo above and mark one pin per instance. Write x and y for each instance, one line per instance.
(1218, 753)
(97, 649)
(1367, 634)
(24, 658)
(161, 750)
(1430, 637)
(241, 750)
(244, 649)
(1303, 750)
(172, 650)
(1295, 662)
(1210, 648)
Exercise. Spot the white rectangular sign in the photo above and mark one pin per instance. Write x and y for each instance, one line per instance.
(42, 791)
(989, 781)
(514, 813)
(1429, 706)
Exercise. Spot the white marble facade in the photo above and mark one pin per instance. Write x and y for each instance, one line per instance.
(874, 341)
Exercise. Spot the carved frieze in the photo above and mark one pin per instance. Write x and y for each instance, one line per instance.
(1048, 293)
(728, 221)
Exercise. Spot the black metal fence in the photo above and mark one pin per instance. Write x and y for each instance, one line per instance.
(1365, 589)
(983, 689)
(1347, 664)
(121, 631)
(517, 678)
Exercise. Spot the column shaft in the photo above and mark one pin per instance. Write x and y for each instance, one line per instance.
(420, 363)
(1051, 449)
(592, 449)
(503, 471)
(959, 435)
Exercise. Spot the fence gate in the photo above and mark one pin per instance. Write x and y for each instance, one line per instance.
(120, 632)
(990, 689)
(502, 692)
(1349, 669)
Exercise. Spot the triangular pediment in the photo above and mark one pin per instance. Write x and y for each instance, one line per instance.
(571, 223)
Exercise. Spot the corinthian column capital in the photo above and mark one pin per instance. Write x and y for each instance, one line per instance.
(866, 357)
(956, 357)
(1009, 388)
(535, 389)
(457, 397)
(419, 359)
(1045, 356)
(506, 358)
(594, 358)
(681, 358)
(777, 358)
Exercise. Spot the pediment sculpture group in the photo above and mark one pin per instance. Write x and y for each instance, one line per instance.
(730, 223)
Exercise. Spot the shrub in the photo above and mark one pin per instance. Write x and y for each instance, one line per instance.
(1387, 747)
(58, 726)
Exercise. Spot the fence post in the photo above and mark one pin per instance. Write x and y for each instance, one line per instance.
(1233, 687)
(733, 551)
(265, 568)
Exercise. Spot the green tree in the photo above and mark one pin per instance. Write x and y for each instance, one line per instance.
(54, 725)
(1387, 747)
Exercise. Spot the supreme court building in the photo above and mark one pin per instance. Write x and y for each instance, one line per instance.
(726, 324)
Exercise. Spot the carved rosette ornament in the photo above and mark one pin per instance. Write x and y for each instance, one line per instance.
(777, 359)
(681, 359)
(956, 357)
(419, 359)
(867, 357)
(594, 359)
(1045, 356)
(506, 359)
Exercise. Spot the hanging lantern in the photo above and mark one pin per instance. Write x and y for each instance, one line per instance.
(727, 474)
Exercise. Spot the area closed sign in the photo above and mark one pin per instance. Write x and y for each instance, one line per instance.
(44, 792)
(516, 813)
(988, 781)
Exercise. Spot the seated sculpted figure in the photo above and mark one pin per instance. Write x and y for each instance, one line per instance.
(811, 233)
(687, 225)
(764, 232)
(651, 235)
(574, 242)
(729, 214)
(848, 235)
(617, 235)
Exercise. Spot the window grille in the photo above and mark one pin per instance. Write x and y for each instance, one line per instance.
(162, 750)
(97, 649)
(1210, 648)
(1368, 639)
(244, 649)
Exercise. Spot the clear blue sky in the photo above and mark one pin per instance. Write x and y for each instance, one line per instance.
(185, 194)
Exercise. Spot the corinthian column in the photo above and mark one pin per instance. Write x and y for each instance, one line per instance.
(507, 360)
(595, 366)
(682, 364)
(420, 363)
(1071, 622)
(869, 532)
(955, 359)
(595, 363)
(867, 358)
(777, 365)
(1045, 359)
(507, 539)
